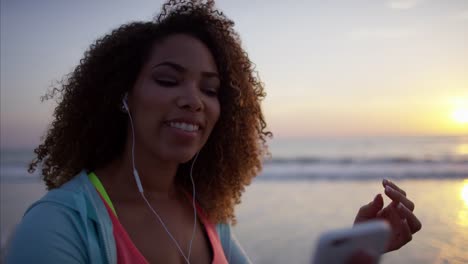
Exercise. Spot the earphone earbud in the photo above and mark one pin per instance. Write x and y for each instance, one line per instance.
(124, 102)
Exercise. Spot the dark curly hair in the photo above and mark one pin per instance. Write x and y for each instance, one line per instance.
(89, 106)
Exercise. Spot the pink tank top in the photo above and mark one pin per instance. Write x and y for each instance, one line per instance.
(127, 252)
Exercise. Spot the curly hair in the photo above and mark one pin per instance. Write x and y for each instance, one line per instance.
(89, 106)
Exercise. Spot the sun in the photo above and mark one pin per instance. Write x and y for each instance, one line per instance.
(460, 115)
(464, 192)
(460, 110)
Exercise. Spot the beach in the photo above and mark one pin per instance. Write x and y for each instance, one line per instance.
(311, 186)
(279, 222)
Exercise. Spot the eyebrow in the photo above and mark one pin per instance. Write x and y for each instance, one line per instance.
(181, 69)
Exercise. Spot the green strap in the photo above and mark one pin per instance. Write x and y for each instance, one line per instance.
(100, 188)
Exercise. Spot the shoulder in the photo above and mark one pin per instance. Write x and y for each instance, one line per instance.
(224, 231)
(61, 227)
(48, 233)
(58, 206)
(231, 246)
(77, 195)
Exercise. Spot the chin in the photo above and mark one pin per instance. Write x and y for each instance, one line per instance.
(186, 159)
(181, 156)
(175, 153)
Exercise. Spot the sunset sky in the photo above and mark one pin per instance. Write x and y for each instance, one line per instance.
(330, 68)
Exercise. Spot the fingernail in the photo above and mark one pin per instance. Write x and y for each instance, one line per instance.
(388, 189)
(385, 181)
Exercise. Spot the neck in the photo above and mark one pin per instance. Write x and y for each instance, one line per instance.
(158, 177)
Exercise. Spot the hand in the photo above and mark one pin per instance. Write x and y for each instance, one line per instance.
(399, 214)
(362, 257)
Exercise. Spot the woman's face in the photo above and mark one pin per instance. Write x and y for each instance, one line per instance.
(174, 102)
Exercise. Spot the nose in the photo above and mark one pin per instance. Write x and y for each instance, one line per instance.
(190, 99)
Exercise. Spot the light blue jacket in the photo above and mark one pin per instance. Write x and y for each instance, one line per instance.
(70, 224)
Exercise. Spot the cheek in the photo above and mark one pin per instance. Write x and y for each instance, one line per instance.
(154, 101)
(212, 113)
(150, 116)
(216, 112)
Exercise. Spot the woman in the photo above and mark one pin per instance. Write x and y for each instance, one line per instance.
(158, 131)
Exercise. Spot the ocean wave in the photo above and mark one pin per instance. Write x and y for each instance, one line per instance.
(320, 169)
(363, 176)
(373, 160)
(17, 173)
(364, 171)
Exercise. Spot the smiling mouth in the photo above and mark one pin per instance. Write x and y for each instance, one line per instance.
(185, 126)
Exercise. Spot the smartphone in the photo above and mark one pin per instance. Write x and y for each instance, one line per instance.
(337, 246)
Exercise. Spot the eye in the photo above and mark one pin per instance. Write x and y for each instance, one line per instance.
(210, 87)
(212, 92)
(166, 82)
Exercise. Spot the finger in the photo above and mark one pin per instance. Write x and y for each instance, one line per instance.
(391, 215)
(413, 222)
(370, 210)
(405, 234)
(386, 183)
(398, 197)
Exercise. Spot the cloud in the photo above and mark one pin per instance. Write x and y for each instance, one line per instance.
(403, 4)
(394, 33)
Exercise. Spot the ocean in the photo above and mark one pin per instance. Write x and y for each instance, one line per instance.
(310, 185)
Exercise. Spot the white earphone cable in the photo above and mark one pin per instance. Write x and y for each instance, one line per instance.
(194, 206)
(140, 188)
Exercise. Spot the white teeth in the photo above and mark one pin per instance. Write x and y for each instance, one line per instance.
(184, 126)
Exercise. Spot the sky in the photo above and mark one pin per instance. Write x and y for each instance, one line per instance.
(331, 68)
